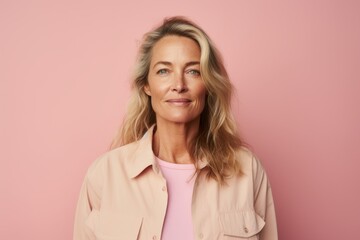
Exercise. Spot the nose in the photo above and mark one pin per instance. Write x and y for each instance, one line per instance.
(179, 84)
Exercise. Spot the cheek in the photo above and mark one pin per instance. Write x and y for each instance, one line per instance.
(201, 98)
(201, 92)
(157, 96)
(157, 88)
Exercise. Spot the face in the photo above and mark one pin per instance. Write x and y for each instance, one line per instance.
(175, 84)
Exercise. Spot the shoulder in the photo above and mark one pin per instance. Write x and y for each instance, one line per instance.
(113, 160)
(125, 161)
(249, 162)
(117, 154)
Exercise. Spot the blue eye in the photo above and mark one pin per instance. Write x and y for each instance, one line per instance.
(162, 71)
(194, 72)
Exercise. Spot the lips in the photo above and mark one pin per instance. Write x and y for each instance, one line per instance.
(179, 100)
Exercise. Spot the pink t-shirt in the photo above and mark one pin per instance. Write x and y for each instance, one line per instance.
(180, 183)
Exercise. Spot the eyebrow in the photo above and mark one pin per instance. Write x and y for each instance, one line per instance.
(169, 63)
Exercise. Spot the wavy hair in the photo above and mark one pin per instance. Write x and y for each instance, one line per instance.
(218, 140)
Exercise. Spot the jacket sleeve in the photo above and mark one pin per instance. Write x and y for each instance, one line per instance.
(85, 215)
(263, 202)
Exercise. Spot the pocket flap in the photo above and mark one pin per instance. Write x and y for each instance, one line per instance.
(114, 226)
(241, 223)
(118, 226)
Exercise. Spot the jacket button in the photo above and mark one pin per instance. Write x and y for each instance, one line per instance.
(154, 237)
(246, 230)
(201, 236)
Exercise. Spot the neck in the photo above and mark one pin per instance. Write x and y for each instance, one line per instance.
(172, 142)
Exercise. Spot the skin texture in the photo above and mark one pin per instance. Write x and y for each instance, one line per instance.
(177, 94)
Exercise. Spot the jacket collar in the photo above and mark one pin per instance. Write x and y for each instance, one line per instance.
(143, 156)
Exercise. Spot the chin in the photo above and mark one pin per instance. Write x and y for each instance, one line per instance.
(182, 119)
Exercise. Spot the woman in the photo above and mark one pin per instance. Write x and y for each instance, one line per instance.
(177, 169)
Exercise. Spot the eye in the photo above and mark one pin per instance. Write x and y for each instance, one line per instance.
(162, 71)
(194, 72)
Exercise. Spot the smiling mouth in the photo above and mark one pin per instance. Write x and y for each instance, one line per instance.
(179, 100)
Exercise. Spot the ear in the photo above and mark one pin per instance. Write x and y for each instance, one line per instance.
(147, 90)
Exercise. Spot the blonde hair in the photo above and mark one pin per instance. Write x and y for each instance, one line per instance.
(218, 140)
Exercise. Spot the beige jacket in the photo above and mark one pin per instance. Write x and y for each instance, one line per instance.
(124, 197)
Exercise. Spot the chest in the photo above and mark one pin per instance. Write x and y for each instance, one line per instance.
(136, 209)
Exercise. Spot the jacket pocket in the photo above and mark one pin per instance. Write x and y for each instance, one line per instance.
(113, 226)
(241, 225)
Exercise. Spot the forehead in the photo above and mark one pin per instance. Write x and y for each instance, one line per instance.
(175, 48)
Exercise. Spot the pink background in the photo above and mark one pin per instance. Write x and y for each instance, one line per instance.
(64, 83)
